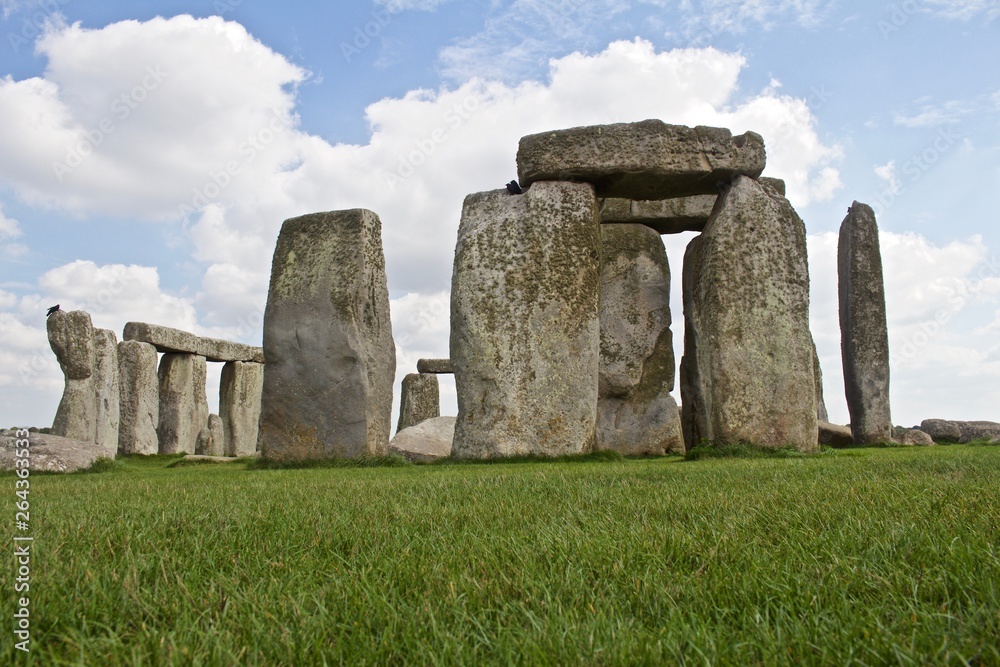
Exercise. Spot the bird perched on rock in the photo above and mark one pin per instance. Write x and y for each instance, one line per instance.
(514, 188)
(52, 310)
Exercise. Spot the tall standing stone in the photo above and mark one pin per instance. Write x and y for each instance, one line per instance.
(183, 403)
(748, 357)
(419, 400)
(525, 322)
(140, 398)
(864, 337)
(330, 357)
(71, 337)
(636, 413)
(821, 412)
(107, 391)
(239, 406)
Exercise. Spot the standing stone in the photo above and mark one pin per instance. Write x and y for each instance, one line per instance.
(107, 391)
(330, 357)
(183, 404)
(239, 407)
(140, 398)
(71, 337)
(525, 322)
(419, 400)
(864, 337)
(636, 413)
(748, 358)
(211, 439)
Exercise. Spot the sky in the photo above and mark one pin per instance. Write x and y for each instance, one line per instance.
(150, 150)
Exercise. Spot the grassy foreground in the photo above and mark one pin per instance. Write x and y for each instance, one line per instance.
(868, 556)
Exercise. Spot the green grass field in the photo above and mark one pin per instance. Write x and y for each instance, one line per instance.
(866, 556)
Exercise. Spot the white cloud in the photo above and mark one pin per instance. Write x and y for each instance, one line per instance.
(934, 115)
(9, 230)
(704, 19)
(964, 9)
(932, 291)
(887, 172)
(407, 5)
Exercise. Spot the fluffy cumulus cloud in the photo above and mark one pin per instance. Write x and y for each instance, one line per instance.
(939, 302)
(128, 120)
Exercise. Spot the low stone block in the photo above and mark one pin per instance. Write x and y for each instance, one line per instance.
(211, 439)
(644, 160)
(666, 216)
(425, 442)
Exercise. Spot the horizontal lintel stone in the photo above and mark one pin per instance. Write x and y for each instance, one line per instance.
(166, 339)
(438, 366)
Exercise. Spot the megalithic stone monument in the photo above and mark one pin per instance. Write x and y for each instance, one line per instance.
(330, 360)
(140, 398)
(636, 413)
(864, 337)
(419, 399)
(747, 373)
(240, 389)
(525, 322)
(71, 337)
(107, 391)
(183, 403)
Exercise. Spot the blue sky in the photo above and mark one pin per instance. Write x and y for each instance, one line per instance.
(149, 152)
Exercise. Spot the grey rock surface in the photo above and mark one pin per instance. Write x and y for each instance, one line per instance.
(943, 430)
(666, 216)
(330, 357)
(47, 452)
(636, 414)
(835, 435)
(776, 184)
(167, 339)
(140, 398)
(863, 332)
(107, 391)
(525, 336)
(419, 400)
(211, 440)
(71, 337)
(438, 366)
(747, 372)
(910, 437)
(644, 160)
(427, 441)
(240, 389)
(183, 404)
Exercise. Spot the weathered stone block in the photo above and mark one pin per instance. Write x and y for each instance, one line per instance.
(183, 404)
(331, 361)
(419, 400)
(525, 336)
(71, 337)
(427, 441)
(211, 439)
(167, 339)
(140, 398)
(863, 332)
(666, 216)
(747, 372)
(438, 366)
(644, 160)
(107, 392)
(636, 414)
(239, 406)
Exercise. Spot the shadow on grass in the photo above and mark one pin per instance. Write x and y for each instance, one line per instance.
(591, 457)
(363, 462)
(745, 450)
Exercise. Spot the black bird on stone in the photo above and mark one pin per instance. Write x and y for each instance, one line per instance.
(514, 188)
(52, 310)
